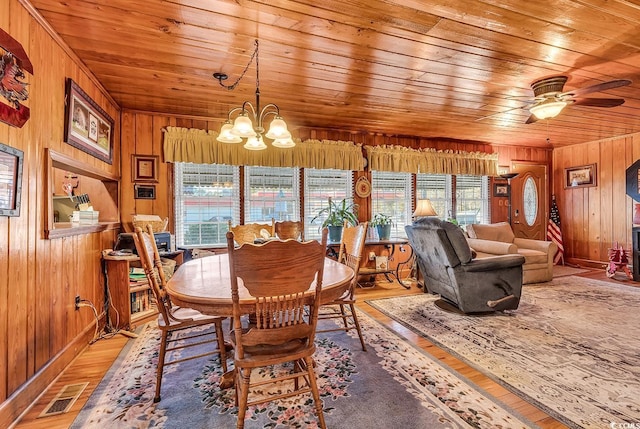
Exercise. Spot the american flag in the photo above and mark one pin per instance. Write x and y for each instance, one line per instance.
(554, 233)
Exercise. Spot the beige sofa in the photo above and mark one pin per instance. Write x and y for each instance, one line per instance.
(498, 239)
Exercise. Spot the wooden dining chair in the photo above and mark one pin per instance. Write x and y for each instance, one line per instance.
(171, 319)
(350, 254)
(249, 232)
(283, 281)
(289, 229)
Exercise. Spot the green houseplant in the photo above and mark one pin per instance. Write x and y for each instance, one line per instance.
(382, 223)
(334, 214)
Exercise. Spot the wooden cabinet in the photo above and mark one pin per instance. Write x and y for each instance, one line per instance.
(131, 302)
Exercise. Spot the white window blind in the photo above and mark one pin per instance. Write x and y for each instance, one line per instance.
(472, 200)
(437, 189)
(271, 193)
(207, 197)
(392, 194)
(319, 186)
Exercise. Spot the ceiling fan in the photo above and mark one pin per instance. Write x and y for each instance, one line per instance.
(549, 99)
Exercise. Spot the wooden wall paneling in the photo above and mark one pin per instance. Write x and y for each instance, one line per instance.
(144, 146)
(164, 187)
(591, 207)
(127, 202)
(17, 308)
(4, 252)
(606, 196)
(621, 230)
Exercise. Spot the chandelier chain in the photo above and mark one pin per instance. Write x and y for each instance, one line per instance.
(253, 56)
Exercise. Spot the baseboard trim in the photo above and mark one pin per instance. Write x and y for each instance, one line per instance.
(20, 401)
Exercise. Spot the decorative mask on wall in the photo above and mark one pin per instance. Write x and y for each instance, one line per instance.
(13, 62)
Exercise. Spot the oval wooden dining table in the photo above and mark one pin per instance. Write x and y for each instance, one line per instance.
(204, 284)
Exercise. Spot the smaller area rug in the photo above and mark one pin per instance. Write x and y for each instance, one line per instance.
(564, 270)
(572, 346)
(393, 384)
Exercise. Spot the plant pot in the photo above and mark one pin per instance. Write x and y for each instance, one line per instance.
(335, 233)
(384, 232)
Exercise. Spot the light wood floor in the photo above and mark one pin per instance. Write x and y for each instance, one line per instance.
(93, 363)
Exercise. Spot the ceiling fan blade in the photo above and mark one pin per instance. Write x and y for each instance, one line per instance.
(501, 112)
(531, 119)
(597, 87)
(599, 102)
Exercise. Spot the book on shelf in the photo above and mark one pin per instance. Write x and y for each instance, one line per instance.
(137, 274)
(141, 301)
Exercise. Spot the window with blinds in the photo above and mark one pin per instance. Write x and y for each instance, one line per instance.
(319, 186)
(271, 193)
(207, 197)
(437, 189)
(392, 194)
(472, 199)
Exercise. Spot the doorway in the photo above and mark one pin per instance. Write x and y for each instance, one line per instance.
(529, 199)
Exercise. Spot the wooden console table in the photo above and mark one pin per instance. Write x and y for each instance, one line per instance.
(367, 270)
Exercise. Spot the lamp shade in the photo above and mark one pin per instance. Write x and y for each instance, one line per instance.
(548, 109)
(284, 143)
(424, 208)
(255, 143)
(226, 136)
(243, 127)
(278, 129)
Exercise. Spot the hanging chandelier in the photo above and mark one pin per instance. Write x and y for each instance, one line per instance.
(249, 123)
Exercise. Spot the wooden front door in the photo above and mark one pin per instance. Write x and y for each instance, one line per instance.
(529, 200)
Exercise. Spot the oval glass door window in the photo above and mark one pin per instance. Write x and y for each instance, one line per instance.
(530, 200)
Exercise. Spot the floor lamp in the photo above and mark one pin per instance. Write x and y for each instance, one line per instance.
(509, 176)
(424, 208)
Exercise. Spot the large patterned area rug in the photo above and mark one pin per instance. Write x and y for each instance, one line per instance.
(572, 346)
(393, 384)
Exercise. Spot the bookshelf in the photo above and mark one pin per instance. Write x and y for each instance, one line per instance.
(131, 296)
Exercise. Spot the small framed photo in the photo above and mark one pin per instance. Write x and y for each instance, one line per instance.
(144, 192)
(580, 177)
(145, 168)
(500, 190)
(11, 160)
(87, 126)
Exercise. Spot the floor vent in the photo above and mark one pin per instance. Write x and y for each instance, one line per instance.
(64, 400)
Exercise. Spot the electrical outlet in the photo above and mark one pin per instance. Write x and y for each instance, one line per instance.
(77, 302)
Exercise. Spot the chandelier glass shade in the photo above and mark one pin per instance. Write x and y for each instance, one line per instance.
(250, 119)
(548, 109)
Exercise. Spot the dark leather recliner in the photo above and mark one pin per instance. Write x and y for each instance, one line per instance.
(472, 285)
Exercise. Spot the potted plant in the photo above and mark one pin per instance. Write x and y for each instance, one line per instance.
(382, 223)
(334, 214)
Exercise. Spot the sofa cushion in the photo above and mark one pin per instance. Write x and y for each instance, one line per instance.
(533, 256)
(500, 231)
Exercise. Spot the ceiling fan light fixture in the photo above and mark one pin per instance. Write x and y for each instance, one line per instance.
(548, 110)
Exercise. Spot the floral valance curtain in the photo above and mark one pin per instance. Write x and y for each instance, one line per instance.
(201, 147)
(408, 160)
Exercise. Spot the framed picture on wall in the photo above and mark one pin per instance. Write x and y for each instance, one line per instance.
(145, 168)
(500, 190)
(580, 177)
(87, 126)
(144, 192)
(11, 160)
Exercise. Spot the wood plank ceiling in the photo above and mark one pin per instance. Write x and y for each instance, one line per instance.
(428, 68)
